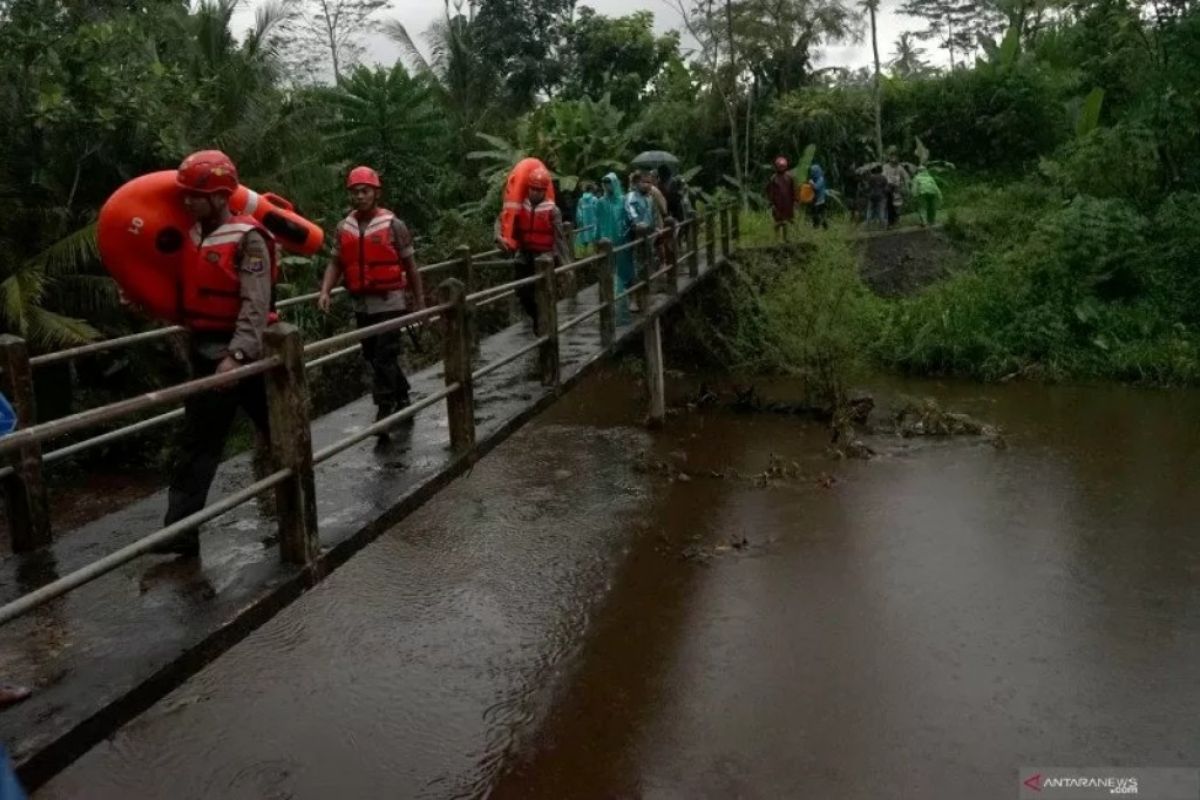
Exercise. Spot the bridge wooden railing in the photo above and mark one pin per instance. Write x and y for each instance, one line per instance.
(285, 365)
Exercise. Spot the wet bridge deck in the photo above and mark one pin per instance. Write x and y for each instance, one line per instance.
(101, 654)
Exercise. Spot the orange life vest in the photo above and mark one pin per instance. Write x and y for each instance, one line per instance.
(534, 229)
(368, 256)
(210, 289)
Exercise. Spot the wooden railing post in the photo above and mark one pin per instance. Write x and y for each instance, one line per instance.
(291, 445)
(672, 235)
(725, 231)
(645, 268)
(710, 237)
(547, 304)
(460, 405)
(693, 236)
(606, 272)
(466, 274)
(652, 341)
(24, 489)
(570, 284)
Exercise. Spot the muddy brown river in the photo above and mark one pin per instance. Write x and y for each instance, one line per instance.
(565, 622)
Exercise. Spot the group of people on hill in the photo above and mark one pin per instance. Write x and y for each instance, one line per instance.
(881, 191)
(884, 188)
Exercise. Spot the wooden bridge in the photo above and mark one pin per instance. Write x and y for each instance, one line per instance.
(101, 631)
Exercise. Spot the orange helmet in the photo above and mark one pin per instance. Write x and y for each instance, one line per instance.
(363, 176)
(539, 179)
(207, 172)
(781, 163)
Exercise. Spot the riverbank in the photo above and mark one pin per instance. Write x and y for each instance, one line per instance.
(1021, 284)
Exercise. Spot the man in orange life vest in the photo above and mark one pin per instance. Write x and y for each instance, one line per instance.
(225, 302)
(373, 254)
(538, 230)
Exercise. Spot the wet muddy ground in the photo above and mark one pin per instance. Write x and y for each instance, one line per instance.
(596, 611)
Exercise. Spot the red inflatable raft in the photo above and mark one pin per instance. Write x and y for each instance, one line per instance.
(144, 243)
(514, 195)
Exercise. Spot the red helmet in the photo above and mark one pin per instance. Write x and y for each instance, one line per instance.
(539, 179)
(207, 172)
(781, 163)
(363, 176)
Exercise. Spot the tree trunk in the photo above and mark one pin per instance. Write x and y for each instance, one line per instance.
(731, 106)
(950, 39)
(878, 101)
(331, 31)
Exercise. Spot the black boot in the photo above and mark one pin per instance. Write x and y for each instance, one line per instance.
(382, 411)
(186, 545)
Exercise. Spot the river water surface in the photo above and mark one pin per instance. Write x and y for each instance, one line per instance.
(600, 612)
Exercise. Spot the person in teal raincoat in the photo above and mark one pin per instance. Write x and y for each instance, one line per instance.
(613, 224)
(586, 216)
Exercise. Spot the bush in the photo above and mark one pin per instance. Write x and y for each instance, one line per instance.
(985, 118)
(1085, 295)
(798, 309)
(1119, 162)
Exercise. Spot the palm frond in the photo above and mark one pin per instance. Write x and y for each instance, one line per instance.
(47, 329)
(394, 29)
(68, 254)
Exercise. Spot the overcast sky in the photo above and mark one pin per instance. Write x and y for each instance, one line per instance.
(418, 14)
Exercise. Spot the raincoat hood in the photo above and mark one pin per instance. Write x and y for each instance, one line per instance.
(614, 184)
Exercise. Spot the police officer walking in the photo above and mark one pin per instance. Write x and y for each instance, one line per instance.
(225, 303)
(373, 255)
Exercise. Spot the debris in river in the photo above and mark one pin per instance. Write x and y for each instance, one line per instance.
(701, 554)
(927, 418)
(845, 442)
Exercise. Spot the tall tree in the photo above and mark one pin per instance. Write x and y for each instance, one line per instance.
(617, 56)
(872, 7)
(712, 26)
(907, 61)
(522, 41)
(780, 36)
(464, 80)
(324, 37)
(956, 25)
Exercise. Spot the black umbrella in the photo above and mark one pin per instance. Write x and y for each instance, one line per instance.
(655, 158)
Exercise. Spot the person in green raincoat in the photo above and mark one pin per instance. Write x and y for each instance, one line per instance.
(928, 194)
(586, 216)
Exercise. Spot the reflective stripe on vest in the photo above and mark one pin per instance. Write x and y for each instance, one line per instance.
(367, 255)
(210, 289)
(534, 229)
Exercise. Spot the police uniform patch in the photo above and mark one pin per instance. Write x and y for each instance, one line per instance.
(213, 256)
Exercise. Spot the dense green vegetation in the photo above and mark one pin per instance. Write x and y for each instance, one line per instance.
(1069, 135)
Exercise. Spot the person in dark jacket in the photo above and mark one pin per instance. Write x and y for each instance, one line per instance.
(781, 193)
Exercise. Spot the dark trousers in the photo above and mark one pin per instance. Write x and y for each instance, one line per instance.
(389, 387)
(525, 266)
(816, 213)
(207, 418)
